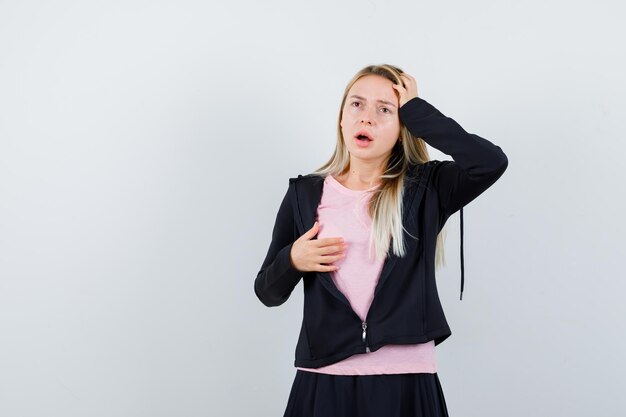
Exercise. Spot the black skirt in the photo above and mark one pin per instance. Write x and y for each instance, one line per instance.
(396, 395)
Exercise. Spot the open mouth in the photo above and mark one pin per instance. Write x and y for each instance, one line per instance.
(363, 137)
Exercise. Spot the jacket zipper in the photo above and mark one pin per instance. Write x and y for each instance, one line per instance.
(364, 326)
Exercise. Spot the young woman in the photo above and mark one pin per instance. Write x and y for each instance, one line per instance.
(364, 233)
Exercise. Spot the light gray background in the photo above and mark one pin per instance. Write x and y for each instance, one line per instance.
(145, 147)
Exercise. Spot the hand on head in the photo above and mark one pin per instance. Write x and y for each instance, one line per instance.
(407, 91)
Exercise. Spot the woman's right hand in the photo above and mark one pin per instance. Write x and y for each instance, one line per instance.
(308, 254)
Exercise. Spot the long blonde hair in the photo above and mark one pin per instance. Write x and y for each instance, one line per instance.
(385, 206)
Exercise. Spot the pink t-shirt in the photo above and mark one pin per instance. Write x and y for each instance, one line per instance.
(343, 212)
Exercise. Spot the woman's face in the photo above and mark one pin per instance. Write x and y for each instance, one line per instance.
(371, 107)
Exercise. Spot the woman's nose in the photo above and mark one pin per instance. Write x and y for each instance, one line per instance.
(367, 118)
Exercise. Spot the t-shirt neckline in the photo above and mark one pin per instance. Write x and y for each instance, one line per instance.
(339, 186)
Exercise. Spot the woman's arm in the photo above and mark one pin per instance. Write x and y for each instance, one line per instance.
(278, 277)
(477, 164)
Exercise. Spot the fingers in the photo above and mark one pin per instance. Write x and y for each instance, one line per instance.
(326, 250)
(327, 268)
(320, 253)
(409, 82)
(401, 90)
(310, 234)
(410, 89)
(326, 255)
(330, 254)
(408, 77)
(407, 87)
(330, 241)
(329, 259)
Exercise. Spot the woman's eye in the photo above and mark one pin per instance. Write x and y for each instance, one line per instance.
(387, 110)
(355, 102)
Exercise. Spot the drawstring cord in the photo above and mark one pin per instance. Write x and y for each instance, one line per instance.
(462, 261)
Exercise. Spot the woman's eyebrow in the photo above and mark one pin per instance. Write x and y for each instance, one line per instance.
(381, 101)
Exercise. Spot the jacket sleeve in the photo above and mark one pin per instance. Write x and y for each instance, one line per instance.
(477, 164)
(278, 277)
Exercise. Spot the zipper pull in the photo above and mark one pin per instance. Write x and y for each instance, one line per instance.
(364, 325)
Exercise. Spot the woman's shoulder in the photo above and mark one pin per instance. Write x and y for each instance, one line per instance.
(306, 177)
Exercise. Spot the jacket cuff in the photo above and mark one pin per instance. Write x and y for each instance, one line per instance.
(279, 280)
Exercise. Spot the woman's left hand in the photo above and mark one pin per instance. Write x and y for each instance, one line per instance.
(408, 91)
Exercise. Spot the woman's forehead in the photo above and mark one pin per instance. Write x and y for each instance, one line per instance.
(374, 88)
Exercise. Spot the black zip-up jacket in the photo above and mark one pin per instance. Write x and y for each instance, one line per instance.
(406, 308)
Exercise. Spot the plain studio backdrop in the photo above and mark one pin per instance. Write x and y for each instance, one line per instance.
(145, 147)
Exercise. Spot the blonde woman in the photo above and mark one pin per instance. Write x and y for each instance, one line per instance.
(364, 232)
